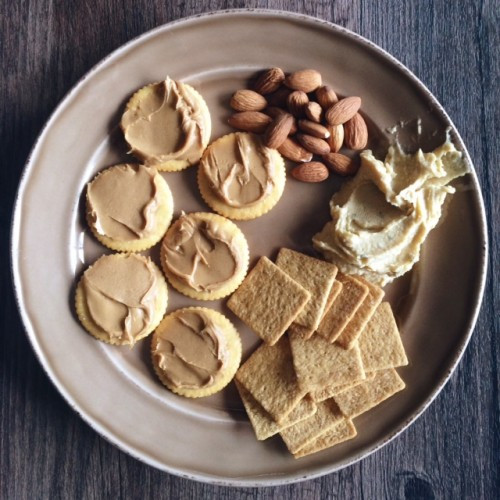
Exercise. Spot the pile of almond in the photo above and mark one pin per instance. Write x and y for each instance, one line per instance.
(304, 120)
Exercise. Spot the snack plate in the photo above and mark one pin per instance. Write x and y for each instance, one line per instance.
(114, 389)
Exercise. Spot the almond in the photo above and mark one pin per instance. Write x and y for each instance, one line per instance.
(343, 110)
(313, 171)
(293, 151)
(306, 80)
(340, 164)
(336, 138)
(313, 144)
(326, 96)
(278, 130)
(356, 132)
(313, 128)
(250, 121)
(269, 81)
(296, 102)
(279, 97)
(274, 111)
(247, 100)
(313, 111)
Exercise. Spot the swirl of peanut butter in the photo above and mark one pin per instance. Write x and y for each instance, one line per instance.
(122, 202)
(163, 122)
(240, 169)
(119, 291)
(188, 350)
(201, 252)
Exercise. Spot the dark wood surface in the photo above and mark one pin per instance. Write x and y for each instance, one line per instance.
(452, 451)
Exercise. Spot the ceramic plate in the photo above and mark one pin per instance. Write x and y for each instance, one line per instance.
(114, 389)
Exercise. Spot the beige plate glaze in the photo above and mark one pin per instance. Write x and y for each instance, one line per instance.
(114, 389)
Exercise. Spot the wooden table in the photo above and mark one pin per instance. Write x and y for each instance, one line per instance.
(452, 451)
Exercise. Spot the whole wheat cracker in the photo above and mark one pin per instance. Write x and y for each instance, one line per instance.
(268, 300)
(263, 424)
(380, 342)
(330, 391)
(355, 326)
(270, 378)
(364, 396)
(344, 307)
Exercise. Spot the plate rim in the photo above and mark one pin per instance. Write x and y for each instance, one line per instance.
(265, 481)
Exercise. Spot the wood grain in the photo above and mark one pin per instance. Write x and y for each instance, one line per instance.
(452, 451)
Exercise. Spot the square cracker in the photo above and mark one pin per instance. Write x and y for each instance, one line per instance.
(343, 431)
(348, 301)
(364, 312)
(330, 391)
(319, 364)
(380, 342)
(299, 435)
(305, 332)
(270, 377)
(316, 276)
(268, 300)
(262, 423)
(364, 396)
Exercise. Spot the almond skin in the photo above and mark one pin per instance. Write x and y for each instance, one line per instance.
(313, 128)
(313, 144)
(279, 97)
(278, 130)
(356, 132)
(326, 96)
(340, 164)
(343, 110)
(313, 111)
(294, 151)
(296, 102)
(269, 81)
(307, 80)
(274, 111)
(247, 100)
(250, 121)
(313, 171)
(336, 138)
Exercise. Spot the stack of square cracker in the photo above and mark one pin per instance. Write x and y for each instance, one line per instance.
(336, 362)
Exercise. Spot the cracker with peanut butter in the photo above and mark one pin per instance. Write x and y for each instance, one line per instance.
(364, 396)
(380, 342)
(263, 424)
(301, 434)
(316, 276)
(319, 364)
(270, 378)
(342, 431)
(364, 312)
(268, 300)
(343, 308)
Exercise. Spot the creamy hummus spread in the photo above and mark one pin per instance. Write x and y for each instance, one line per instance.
(189, 351)
(122, 202)
(381, 218)
(165, 121)
(120, 295)
(201, 252)
(240, 169)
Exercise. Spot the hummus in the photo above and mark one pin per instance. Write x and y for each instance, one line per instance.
(381, 218)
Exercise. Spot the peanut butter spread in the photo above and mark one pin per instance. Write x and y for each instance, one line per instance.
(240, 169)
(201, 252)
(119, 291)
(164, 121)
(381, 218)
(122, 202)
(189, 350)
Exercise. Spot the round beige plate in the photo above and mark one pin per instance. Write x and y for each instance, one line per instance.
(114, 389)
